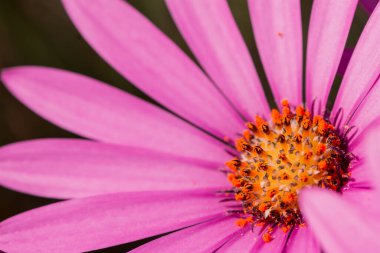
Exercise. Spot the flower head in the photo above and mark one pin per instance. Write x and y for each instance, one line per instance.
(218, 166)
(276, 161)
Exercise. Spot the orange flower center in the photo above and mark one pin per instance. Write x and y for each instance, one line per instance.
(279, 158)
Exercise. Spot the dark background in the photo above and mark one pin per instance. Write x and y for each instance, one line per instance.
(38, 32)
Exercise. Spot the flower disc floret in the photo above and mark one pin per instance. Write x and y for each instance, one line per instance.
(279, 158)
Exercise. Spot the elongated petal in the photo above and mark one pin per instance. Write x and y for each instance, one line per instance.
(277, 244)
(278, 32)
(365, 146)
(302, 240)
(361, 175)
(365, 199)
(150, 60)
(201, 238)
(373, 159)
(367, 150)
(77, 168)
(212, 34)
(365, 188)
(242, 243)
(363, 68)
(365, 168)
(330, 23)
(367, 115)
(102, 221)
(339, 225)
(92, 109)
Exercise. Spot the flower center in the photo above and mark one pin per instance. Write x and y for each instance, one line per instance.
(279, 158)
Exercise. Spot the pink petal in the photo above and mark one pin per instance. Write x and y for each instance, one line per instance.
(365, 169)
(212, 34)
(365, 199)
(201, 238)
(361, 175)
(145, 56)
(275, 246)
(278, 33)
(367, 114)
(242, 243)
(102, 221)
(338, 224)
(364, 190)
(94, 110)
(78, 168)
(302, 240)
(330, 23)
(363, 69)
(367, 150)
(372, 158)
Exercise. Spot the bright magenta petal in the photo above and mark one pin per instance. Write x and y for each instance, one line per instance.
(339, 225)
(242, 243)
(365, 169)
(365, 186)
(79, 168)
(367, 116)
(277, 244)
(361, 175)
(102, 221)
(302, 240)
(95, 110)
(278, 32)
(367, 150)
(372, 156)
(212, 34)
(206, 237)
(145, 56)
(365, 199)
(363, 68)
(330, 23)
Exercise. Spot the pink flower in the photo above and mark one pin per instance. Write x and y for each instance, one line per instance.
(147, 171)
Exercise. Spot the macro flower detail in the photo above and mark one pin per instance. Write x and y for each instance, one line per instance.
(280, 159)
(216, 167)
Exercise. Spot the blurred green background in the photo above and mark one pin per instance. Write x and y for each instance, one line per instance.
(38, 32)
